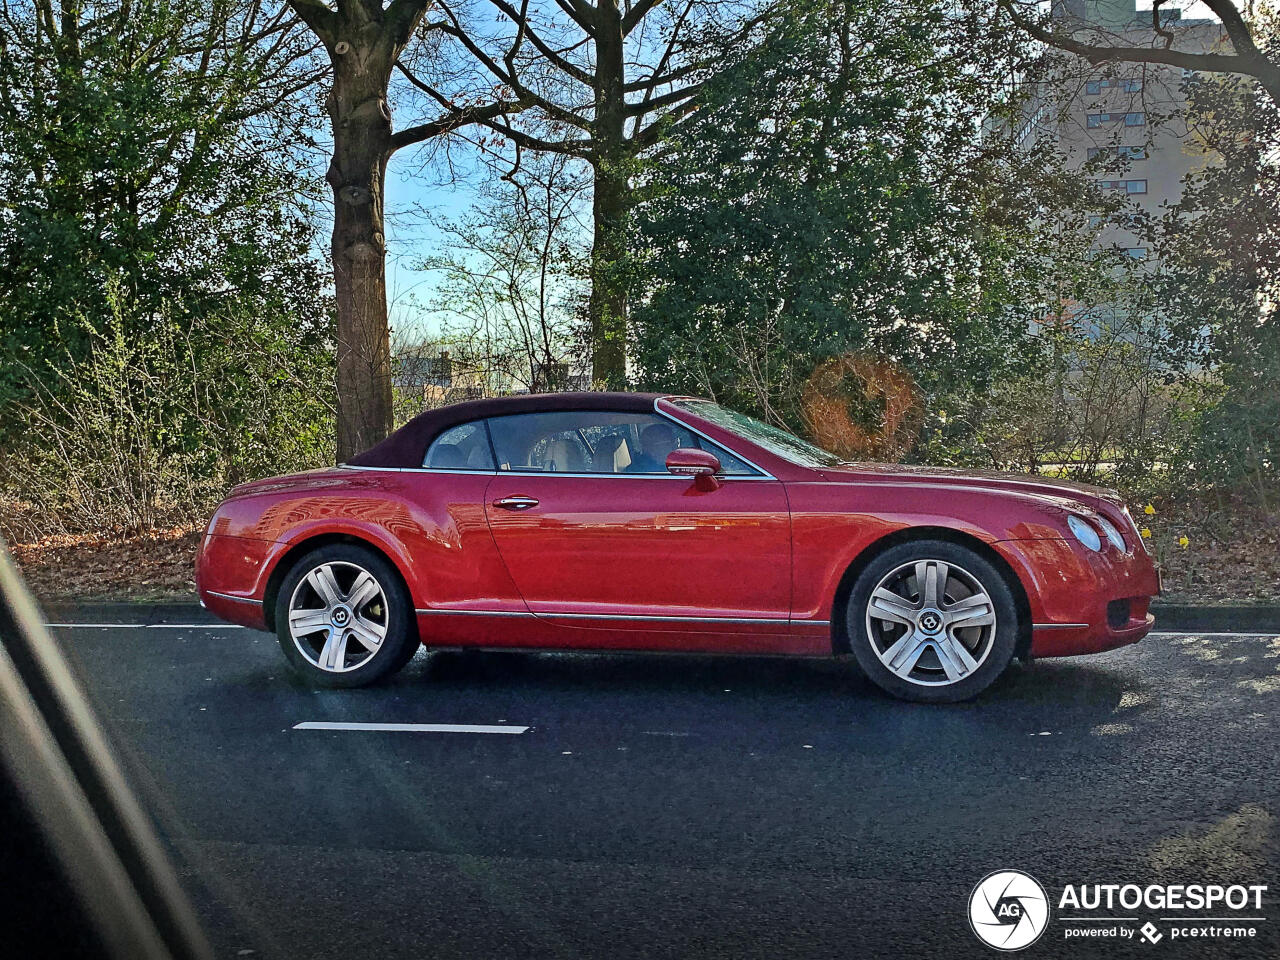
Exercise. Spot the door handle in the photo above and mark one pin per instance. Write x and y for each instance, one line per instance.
(516, 503)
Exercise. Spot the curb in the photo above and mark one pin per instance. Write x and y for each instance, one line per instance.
(1258, 618)
(140, 611)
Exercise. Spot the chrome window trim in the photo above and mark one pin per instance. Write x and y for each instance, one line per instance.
(354, 466)
(549, 473)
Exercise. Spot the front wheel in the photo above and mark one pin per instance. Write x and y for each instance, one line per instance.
(932, 621)
(343, 617)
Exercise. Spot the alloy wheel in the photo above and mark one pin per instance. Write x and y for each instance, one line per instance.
(338, 616)
(930, 622)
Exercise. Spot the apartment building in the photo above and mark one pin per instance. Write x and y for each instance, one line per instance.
(1123, 123)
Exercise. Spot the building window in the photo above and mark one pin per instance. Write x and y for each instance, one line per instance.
(1129, 119)
(1123, 152)
(1126, 186)
(1096, 87)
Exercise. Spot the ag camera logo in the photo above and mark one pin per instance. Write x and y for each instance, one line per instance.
(1008, 910)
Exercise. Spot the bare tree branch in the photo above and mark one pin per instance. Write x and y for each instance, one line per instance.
(637, 14)
(525, 29)
(452, 121)
(322, 20)
(1247, 60)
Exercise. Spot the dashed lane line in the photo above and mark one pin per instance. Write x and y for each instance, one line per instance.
(411, 727)
(149, 626)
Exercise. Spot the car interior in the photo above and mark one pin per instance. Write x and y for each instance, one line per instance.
(85, 872)
(605, 442)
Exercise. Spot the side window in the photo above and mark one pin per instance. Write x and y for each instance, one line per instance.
(597, 441)
(731, 465)
(464, 447)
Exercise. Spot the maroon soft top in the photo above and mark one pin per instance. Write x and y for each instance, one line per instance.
(407, 446)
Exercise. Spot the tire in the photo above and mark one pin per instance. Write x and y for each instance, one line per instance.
(925, 651)
(363, 631)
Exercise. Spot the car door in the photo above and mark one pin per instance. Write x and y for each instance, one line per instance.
(597, 535)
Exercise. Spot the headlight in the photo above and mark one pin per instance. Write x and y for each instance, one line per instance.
(1084, 533)
(1112, 533)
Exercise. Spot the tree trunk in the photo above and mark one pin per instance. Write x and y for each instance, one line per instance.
(608, 289)
(610, 206)
(361, 122)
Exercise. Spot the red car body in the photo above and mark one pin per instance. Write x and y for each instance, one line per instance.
(757, 564)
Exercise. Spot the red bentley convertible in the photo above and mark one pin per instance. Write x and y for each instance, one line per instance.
(613, 521)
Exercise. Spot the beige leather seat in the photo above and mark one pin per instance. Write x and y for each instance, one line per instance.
(612, 455)
(564, 456)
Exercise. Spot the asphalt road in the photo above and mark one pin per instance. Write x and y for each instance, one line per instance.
(664, 807)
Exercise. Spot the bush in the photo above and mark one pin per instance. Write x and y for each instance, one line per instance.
(151, 431)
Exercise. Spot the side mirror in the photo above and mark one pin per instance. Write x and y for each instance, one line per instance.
(699, 464)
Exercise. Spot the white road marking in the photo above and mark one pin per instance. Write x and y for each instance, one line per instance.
(1212, 633)
(194, 626)
(409, 727)
(150, 626)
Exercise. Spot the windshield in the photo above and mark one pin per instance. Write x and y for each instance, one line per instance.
(774, 439)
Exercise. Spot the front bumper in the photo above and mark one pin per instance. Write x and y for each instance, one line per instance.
(1083, 601)
(1053, 640)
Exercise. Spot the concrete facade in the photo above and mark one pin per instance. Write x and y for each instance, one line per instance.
(1123, 123)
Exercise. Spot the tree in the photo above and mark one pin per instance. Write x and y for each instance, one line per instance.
(1219, 286)
(832, 219)
(604, 83)
(165, 328)
(146, 146)
(511, 275)
(1253, 52)
(364, 39)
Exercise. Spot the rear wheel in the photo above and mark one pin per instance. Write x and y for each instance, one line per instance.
(343, 617)
(932, 621)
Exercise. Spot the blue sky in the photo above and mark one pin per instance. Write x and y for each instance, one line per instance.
(409, 240)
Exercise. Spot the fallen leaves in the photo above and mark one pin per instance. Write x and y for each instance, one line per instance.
(158, 565)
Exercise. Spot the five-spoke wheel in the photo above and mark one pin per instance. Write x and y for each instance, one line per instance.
(338, 616)
(932, 620)
(343, 617)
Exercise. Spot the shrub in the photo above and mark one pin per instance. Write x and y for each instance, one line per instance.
(152, 430)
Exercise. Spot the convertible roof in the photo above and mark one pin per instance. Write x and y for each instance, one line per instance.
(407, 446)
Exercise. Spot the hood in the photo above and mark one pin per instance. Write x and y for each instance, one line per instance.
(987, 479)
